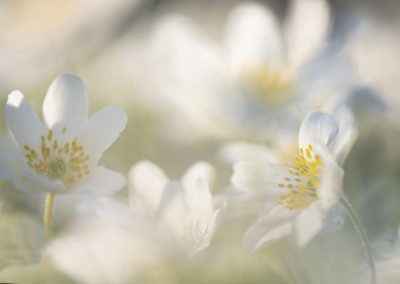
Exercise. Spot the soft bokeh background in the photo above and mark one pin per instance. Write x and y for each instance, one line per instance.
(106, 43)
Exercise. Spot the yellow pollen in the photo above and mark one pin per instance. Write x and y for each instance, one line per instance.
(305, 190)
(66, 163)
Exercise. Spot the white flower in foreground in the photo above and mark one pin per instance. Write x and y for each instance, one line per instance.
(183, 210)
(257, 78)
(113, 245)
(61, 153)
(301, 196)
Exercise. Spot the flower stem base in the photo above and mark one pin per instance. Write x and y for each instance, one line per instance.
(47, 217)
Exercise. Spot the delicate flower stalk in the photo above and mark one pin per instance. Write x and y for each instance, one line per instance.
(364, 239)
(47, 217)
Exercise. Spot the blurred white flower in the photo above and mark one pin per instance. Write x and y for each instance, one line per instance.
(113, 245)
(61, 153)
(388, 266)
(183, 210)
(259, 79)
(42, 37)
(299, 197)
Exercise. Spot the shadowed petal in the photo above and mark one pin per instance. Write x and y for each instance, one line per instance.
(271, 226)
(318, 128)
(309, 222)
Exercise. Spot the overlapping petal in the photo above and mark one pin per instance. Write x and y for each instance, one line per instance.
(317, 128)
(66, 103)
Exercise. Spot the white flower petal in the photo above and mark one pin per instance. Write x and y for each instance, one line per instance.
(172, 213)
(238, 151)
(317, 128)
(198, 170)
(66, 102)
(331, 185)
(202, 218)
(199, 201)
(106, 249)
(184, 55)
(271, 226)
(253, 37)
(147, 184)
(101, 130)
(42, 182)
(306, 29)
(23, 122)
(260, 178)
(100, 181)
(344, 141)
(308, 223)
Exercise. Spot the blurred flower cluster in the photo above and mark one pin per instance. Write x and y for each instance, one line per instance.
(226, 141)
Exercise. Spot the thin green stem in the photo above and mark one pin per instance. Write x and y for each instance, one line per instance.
(364, 240)
(47, 217)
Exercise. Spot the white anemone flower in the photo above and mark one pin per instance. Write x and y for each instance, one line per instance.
(61, 154)
(258, 79)
(182, 210)
(299, 197)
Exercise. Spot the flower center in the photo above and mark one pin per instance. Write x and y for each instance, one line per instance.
(270, 84)
(67, 162)
(303, 181)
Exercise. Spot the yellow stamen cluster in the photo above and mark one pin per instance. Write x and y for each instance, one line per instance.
(303, 181)
(270, 83)
(67, 162)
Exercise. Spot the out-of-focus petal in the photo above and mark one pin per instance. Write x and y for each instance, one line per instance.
(66, 103)
(307, 26)
(173, 212)
(271, 226)
(240, 151)
(202, 217)
(106, 249)
(101, 130)
(308, 223)
(23, 122)
(198, 170)
(147, 182)
(253, 37)
(184, 55)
